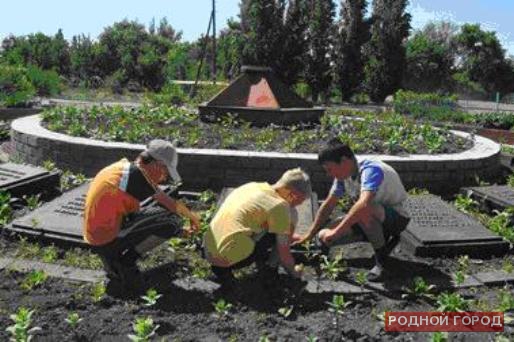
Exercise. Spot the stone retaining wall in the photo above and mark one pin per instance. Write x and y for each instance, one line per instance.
(205, 168)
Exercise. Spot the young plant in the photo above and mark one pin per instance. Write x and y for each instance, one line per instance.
(439, 336)
(465, 204)
(507, 266)
(207, 197)
(20, 330)
(286, 311)
(418, 191)
(451, 302)
(222, 307)
(420, 288)
(506, 300)
(332, 268)
(144, 329)
(337, 307)
(151, 297)
(33, 202)
(73, 320)
(361, 278)
(49, 254)
(5, 208)
(98, 292)
(33, 279)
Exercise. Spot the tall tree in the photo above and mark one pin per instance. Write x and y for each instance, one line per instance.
(386, 52)
(318, 71)
(483, 59)
(352, 34)
(262, 25)
(294, 47)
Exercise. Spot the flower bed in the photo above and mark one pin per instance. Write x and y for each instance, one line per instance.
(391, 134)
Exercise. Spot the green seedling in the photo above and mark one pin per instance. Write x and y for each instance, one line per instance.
(510, 181)
(33, 201)
(207, 196)
(506, 300)
(286, 311)
(418, 191)
(264, 338)
(73, 320)
(502, 224)
(463, 263)
(34, 222)
(49, 165)
(98, 292)
(332, 268)
(49, 254)
(144, 329)
(33, 279)
(311, 338)
(465, 204)
(459, 277)
(27, 250)
(507, 266)
(20, 331)
(420, 288)
(439, 336)
(5, 208)
(222, 307)
(361, 278)
(451, 302)
(337, 307)
(151, 297)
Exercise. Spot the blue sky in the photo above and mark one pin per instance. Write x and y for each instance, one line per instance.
(191, 16)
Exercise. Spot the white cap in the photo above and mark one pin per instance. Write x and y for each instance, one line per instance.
(165, 152)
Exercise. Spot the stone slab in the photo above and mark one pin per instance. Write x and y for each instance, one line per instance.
(330, 286)
(63, 217)
(21, 179)
(495, 196)
(195, 284)
(438, 228)
(52, 270)
(306, 211)
(495, 277)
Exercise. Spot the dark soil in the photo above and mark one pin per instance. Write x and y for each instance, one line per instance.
(185, 312)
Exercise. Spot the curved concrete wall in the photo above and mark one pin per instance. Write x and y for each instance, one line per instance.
(206, 168)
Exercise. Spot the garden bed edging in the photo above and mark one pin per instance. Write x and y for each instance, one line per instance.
(215, 169)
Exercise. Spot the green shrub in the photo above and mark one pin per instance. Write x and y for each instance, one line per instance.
(15, 87)
(170, 94)
(500, 120)
(205, 92)
(46, 82)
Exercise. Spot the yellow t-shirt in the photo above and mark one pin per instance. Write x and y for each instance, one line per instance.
(251, 210)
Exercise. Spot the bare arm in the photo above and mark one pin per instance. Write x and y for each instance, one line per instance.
(286, 258)
(358, 212)
(321, 217)
(177, 207)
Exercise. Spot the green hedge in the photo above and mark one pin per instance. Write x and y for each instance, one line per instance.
(15, 86)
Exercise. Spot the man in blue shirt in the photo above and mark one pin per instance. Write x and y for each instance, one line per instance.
(377, 215)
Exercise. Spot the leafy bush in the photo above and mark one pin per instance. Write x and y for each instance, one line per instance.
(46, 82)
(15, 86)
(170, 94)
(500, 120)
(429, 106)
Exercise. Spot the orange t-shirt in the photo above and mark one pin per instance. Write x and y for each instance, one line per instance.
(109, 199)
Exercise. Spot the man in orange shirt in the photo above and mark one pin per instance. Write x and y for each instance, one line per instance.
(117, 191)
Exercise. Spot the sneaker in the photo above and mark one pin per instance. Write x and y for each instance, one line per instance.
(376, 274)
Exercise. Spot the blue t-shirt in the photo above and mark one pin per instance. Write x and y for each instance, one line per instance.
(371, 177)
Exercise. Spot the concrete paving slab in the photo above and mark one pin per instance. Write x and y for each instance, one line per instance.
(52, 270)
(21, 179)
(195, 284)
(330, 286)
(495, 277)
(495, 196)
(62, 218)
(438, 228)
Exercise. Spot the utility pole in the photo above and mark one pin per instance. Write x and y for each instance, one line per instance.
(214, 41)
(212, 21)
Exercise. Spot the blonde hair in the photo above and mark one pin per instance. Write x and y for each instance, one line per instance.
(296, 179)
